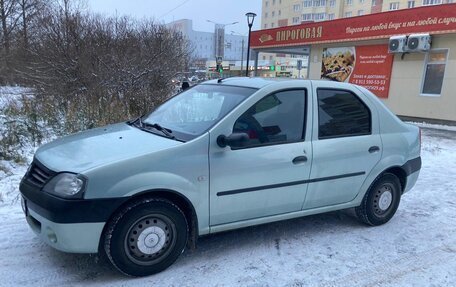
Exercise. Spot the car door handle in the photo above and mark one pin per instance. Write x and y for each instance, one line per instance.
(373, 149)
(299, 159)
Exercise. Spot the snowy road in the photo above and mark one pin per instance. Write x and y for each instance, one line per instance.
(416, 248)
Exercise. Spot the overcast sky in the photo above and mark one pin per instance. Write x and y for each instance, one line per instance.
(165, 11)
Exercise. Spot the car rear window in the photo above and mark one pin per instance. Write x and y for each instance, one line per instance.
(341, 113)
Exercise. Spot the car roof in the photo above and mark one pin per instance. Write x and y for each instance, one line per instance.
(258, 83)
(255, 82)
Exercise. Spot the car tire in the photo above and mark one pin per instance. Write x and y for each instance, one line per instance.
(381, 200)
(146, 237)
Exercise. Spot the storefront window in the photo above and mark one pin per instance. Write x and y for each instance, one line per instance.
(434, 71)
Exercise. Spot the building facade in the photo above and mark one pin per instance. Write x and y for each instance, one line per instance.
(281, 13)
(208, 45)
(416, 81)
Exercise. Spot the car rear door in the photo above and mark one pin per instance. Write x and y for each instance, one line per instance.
(268, 176)
(346, 144)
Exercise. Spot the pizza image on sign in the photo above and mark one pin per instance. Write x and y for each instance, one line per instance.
(265, 38)
(368, 66)
(338, 63)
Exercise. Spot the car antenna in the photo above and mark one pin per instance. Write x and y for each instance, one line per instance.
(219, 80)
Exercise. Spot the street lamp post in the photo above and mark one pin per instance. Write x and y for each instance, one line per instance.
(250, 18)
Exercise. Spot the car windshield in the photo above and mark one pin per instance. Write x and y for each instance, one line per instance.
(194, 111)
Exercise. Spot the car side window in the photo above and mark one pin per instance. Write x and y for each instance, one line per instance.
(341, 114)
(276, 118)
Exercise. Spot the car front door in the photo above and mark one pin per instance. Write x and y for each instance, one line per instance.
(346, 144)
(268, 175)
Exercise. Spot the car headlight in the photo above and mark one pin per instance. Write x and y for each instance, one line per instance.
(68, 185)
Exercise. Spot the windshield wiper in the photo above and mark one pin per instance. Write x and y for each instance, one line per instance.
(145, 126)
(158, 127)
(137, 120)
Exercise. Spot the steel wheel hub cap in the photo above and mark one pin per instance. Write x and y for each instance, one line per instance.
(385, 200)
(151, 240)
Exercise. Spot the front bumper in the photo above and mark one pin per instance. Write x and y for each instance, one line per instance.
(68, 225)
(67, 237)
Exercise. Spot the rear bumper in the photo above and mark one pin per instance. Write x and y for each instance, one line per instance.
(412, 169)
(412, 166)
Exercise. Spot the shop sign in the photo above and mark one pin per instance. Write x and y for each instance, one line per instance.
(267, 68)
(367, 66)
(212, 68)
(436, 19)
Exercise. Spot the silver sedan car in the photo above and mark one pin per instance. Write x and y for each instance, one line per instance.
(221, 155)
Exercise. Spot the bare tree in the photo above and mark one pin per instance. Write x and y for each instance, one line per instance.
(9, 20)
(28, 10)
(88, 70)
(92, 70)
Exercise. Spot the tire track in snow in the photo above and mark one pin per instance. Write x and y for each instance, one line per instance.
(389, 273)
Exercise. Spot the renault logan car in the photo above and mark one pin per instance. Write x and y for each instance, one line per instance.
(222, 155)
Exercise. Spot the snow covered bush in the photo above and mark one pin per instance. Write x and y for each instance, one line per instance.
(22, 128)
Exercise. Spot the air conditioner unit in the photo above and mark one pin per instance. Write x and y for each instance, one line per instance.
(397, 44)
(418, 43)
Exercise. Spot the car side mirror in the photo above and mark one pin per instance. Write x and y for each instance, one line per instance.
(233, 140)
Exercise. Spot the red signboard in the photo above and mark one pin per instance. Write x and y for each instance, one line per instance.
(436, 19)
(367, 66)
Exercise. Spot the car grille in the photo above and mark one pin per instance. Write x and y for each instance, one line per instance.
(38, 174)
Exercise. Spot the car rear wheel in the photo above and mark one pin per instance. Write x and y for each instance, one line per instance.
(146, 237)
(381, 200)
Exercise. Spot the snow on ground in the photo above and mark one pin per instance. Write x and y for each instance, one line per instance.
(416, 248)
(434, 126)
(10, 94)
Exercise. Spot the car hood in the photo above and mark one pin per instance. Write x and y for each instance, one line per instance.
(96, 147)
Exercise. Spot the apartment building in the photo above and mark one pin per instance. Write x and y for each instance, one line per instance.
(279, 13)
(208, 45)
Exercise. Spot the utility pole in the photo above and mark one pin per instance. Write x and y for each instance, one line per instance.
(242, 53)
(242, 48)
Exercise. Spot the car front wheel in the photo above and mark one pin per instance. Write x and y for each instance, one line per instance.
(146, 237)
(381, 200)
